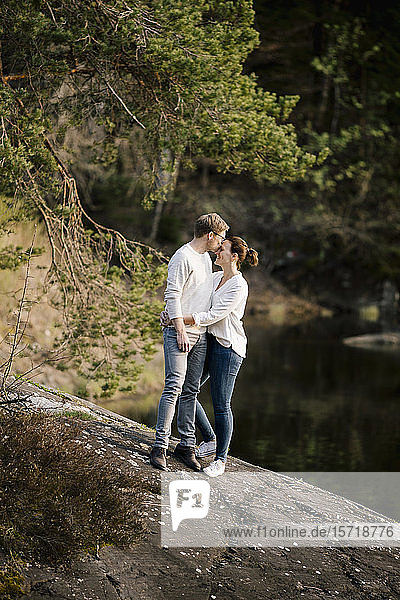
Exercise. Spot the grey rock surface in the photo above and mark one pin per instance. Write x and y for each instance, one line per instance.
(149, 571)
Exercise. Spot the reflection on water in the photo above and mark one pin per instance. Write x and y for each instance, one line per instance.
(306, 402)
(369, 313)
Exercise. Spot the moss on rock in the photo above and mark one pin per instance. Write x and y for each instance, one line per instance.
(11, 584)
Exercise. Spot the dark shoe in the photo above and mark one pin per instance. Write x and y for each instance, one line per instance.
(158, 458)
(186, 455)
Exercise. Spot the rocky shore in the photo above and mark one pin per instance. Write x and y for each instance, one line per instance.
(148, 571)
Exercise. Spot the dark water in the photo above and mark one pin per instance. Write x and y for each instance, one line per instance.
(306, 402)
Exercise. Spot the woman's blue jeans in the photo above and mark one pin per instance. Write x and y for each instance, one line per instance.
(222, 367)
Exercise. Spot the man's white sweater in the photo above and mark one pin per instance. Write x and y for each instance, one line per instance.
(189, 284)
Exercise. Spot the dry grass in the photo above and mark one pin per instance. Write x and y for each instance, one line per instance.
(11, 583)
(44, 320)
(58, 498)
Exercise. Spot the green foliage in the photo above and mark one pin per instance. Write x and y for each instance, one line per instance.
(12, 258)
(22, 149)
(114, 318)
(353, 211)
(173, 69)
(344, 61)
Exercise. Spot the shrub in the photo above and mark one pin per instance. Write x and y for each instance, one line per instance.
(58, 498)
(11, 584)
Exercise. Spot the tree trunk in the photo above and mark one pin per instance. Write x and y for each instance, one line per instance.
(167, 169)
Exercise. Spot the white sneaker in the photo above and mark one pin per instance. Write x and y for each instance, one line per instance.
(206, 448)
(217, 467)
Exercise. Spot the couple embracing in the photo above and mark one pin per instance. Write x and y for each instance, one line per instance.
(203, 338)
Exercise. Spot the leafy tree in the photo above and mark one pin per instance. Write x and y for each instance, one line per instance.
(173, 69)
(343, 59)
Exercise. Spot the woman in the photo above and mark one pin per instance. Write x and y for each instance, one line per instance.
(226, 345)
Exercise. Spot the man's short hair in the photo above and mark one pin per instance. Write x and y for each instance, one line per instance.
(209, 222)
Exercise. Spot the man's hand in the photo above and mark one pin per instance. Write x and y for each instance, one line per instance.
(181, 335)
(183, 341)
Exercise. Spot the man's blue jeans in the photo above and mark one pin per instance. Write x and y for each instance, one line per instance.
(222, 366)
(183, 372)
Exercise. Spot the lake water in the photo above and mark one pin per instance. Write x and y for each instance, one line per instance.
(306, 402)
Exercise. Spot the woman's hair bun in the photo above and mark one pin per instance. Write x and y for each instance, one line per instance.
(240, 247)
(252, 257)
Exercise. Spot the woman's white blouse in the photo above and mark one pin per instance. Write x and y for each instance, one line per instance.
(224, 319)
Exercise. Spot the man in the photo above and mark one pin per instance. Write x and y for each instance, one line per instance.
(189, 288)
